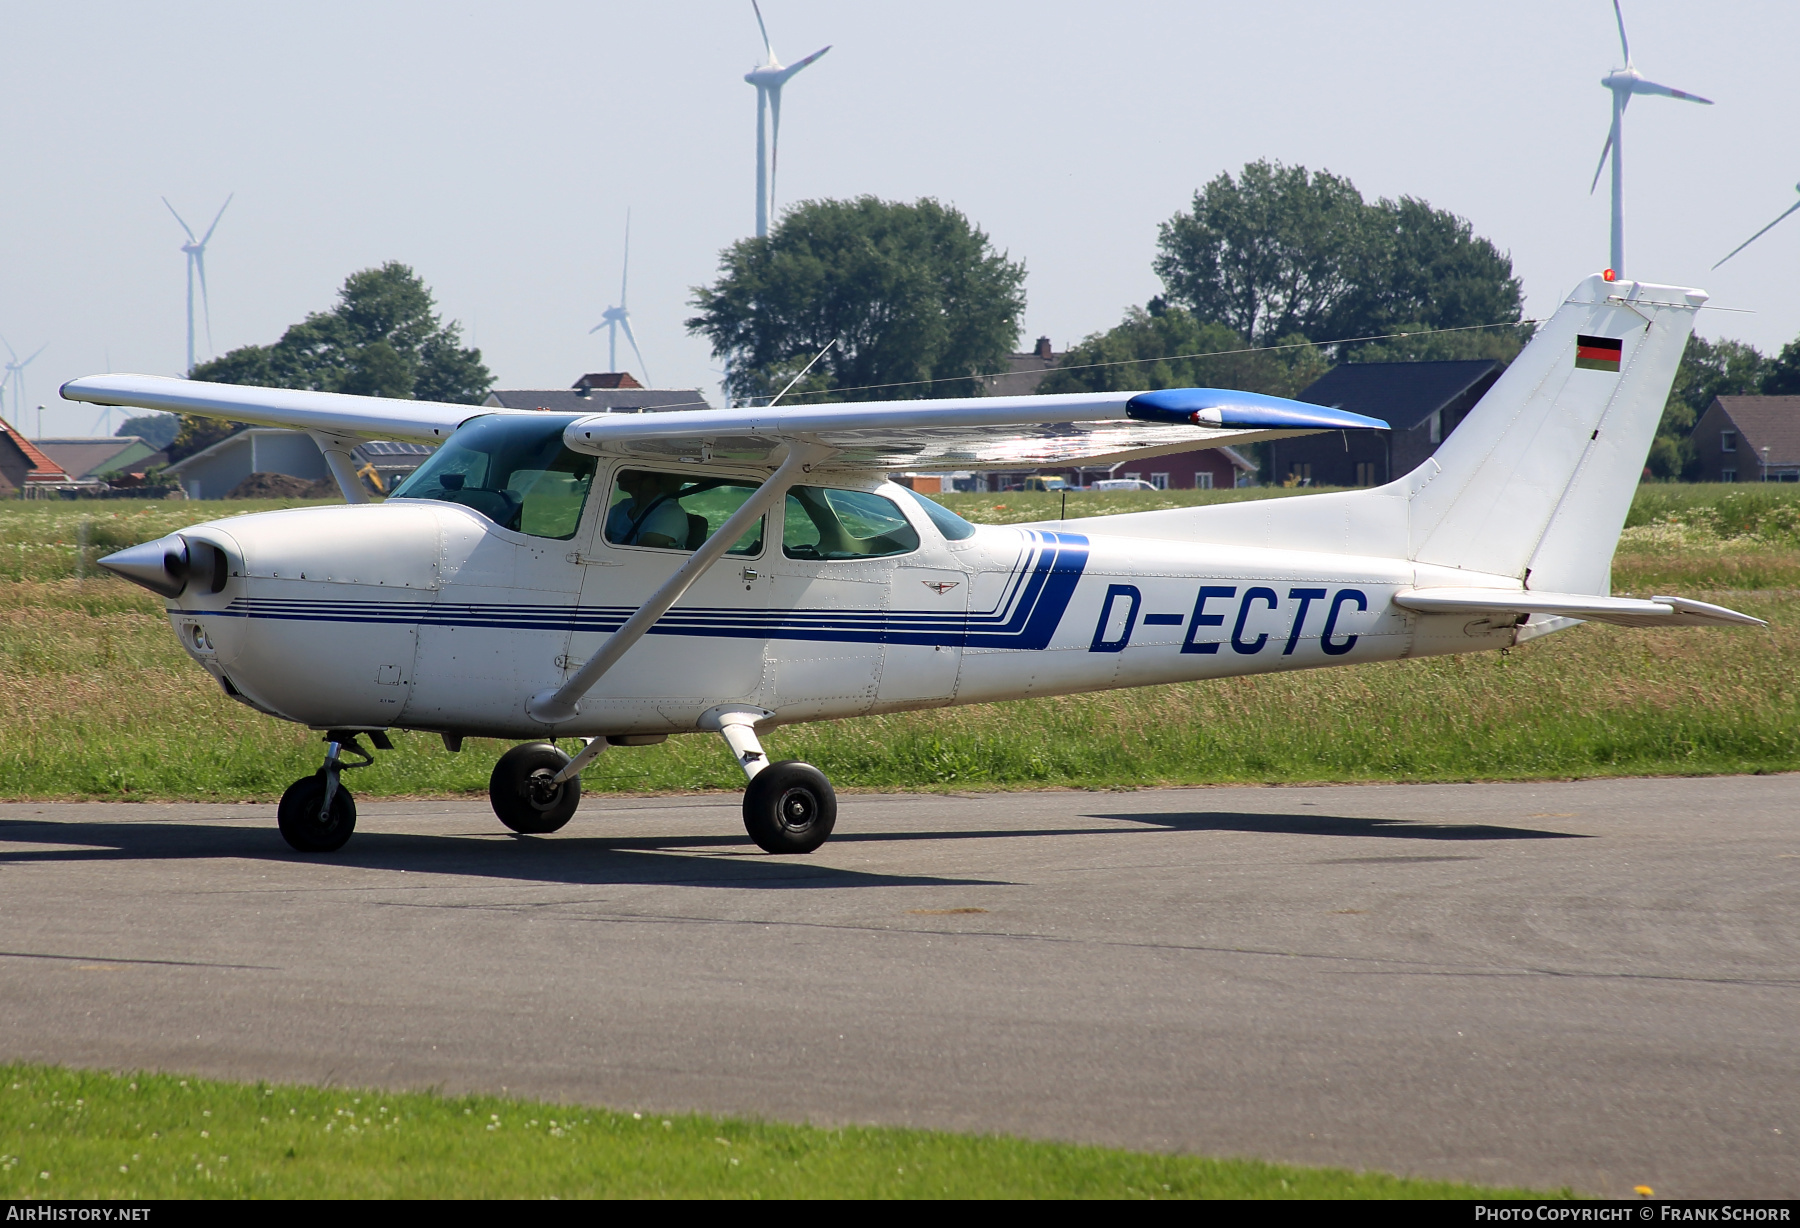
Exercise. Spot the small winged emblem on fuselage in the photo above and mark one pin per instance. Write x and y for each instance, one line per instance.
(940, 587)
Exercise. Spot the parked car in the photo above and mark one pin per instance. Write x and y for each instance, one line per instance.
(1048, 484)
(1121, 484)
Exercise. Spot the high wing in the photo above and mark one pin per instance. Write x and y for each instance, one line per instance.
(1095, 428)
(962, 433)
(332, 412)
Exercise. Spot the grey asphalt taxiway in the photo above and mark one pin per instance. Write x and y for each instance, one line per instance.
(1592, 984)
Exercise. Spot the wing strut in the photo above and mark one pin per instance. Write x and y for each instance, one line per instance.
(552, 707)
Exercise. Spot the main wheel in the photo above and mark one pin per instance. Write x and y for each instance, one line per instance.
(301, 824)
(522, 794)
(789, 807)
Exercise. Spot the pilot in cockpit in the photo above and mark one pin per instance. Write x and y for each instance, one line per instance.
(651, 516)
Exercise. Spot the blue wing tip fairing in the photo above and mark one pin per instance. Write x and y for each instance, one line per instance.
(1219, 407)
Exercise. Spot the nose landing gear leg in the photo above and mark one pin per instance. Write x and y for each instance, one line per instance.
(789, 806)
(317, 814)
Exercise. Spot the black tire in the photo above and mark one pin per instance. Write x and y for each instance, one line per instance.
(522, 794)
(789, 807)
(301, 825)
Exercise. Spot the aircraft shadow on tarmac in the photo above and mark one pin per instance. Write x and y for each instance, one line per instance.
(555, 859)
(1339, 825)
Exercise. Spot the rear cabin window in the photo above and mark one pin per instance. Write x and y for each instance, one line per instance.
(674, 511)
(513, 469)
(822, 522)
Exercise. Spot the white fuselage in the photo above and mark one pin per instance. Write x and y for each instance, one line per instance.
(425, 615)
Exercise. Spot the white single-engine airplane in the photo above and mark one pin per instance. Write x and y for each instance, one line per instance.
(620, 578)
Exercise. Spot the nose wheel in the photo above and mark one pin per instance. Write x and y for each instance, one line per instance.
(317, 814)
(525, 793)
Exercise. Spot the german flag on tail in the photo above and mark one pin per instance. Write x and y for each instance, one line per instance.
(1598, 353)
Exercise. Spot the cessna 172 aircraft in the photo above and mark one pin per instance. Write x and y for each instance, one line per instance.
(621, 578)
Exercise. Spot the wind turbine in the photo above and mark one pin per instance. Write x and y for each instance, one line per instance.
(1765, 230)
(615, 318)
(1623, 83)
(15, 375)
(768, 80)
(195, 249)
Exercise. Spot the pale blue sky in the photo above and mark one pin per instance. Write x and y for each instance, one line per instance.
(496, 148)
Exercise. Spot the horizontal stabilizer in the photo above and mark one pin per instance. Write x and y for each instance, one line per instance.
(1625, 611)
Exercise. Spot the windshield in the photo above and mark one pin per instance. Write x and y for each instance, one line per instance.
(953, 527)
(513, 469)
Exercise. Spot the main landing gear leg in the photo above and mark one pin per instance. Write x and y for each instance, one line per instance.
(317, 814)
(789, 807)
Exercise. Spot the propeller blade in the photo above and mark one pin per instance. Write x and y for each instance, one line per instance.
(1624, 43)
(216, 217)
(767, 49)
(632, 337)
(184, 225)
(1765, 230)
(1641, 86)
(1606, 149)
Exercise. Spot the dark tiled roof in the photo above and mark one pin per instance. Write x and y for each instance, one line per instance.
(597, 400)
(1401, 394)
(1023, 374)
(1767, 422)
(83, 457)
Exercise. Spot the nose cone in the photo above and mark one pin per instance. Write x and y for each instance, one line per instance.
(166, 565)
(160, 566)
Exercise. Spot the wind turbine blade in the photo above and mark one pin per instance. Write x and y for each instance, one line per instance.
(1759, 234)
(1605, 150)
(795, 67)
(767, 49)
(774, 140)
(597, 327)
(216, 217)
(184, 225)
(632, 337)
(205, 303)
(625, 275)
(14, 353)
(46, 344)
(1624, 43)
(1641, 86)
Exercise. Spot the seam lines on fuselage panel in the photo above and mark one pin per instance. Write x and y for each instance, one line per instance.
(1026, 616)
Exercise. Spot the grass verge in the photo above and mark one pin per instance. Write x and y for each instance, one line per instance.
(89, 1134)
(98, 701)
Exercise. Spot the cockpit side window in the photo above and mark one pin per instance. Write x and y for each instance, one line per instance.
(512, 469)
(676, 511)
(824, 522)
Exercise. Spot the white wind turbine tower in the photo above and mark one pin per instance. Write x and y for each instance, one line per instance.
(195, 250)
(1765, 230)
(768, 80)
(615, 318)
(15, 375)
(1623, 83)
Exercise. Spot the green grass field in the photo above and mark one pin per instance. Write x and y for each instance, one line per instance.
(90, 1134)
(99, 701)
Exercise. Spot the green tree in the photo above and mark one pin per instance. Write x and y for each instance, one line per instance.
(915, 297)
(1168, 347)
(383, 338)
(155, 429)
(1283, 250)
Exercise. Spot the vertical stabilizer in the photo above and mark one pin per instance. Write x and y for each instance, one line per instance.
(1540, 476)
(1534, 483)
